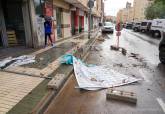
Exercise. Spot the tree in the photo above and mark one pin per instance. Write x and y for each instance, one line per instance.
(156, 10)
(163, 1)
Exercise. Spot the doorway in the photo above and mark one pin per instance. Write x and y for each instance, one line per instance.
(80, 24)
(59, 21)
(13, 16)
(73, 13)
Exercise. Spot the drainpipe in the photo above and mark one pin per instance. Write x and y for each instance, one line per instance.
(89, 33)
(90, 5)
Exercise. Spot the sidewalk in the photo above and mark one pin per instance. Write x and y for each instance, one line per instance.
(30, 81)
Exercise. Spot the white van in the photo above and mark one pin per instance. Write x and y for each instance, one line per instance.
(144, 25)
(157, 26)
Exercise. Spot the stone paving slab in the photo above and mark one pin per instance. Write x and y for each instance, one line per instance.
(13, 88)
(49, 68)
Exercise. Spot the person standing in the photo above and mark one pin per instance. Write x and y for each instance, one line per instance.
(48, 31)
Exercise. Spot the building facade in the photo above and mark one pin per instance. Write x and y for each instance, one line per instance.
(111, 18)
(139, 9)
(119, 16)
(135, 13)
(126, 14)
(22, 21)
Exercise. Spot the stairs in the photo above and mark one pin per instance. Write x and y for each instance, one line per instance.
(12, 40)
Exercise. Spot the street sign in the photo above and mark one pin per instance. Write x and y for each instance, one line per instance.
(118, 33)
(91, 3)
(118, 27)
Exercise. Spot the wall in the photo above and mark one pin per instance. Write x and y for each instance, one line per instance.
(84, 2)
(131, 14)
(66, 22)
(86, 23)
(119, 16)
(125, 15)
(3, 28)
(66, 27)
(61, 4)
(139, 9)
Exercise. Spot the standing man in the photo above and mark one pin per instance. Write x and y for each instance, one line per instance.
(48, 31)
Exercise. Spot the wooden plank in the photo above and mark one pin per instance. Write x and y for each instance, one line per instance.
(56, 82)
(11, 32)
(11, 35)
(12, 40)
(121, 95)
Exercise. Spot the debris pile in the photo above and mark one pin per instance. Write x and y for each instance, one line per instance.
(93, 77)
(101, 39)
(95, 48)
(116, 48)
(12, 62)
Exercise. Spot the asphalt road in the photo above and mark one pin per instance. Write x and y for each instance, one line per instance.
(150, 91)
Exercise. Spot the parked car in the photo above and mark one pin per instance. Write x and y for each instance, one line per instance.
(124, 25)
(157, 26)
(136, 26)
(144, 25)
(128, 25)
(162, 48)
(108, 27)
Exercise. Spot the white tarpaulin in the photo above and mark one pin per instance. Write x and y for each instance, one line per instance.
(21, 60)
(98, 77)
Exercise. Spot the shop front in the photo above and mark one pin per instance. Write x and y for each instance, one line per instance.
(15, 23)
(73, 16)
(62, 16)
(77, 21)
(81, 21)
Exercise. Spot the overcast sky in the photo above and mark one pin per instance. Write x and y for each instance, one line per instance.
(113, 6)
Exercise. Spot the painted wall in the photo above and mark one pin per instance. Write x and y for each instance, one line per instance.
(40, 30)
(86, 24)
(66, 22)
(55, 22)
(61, 4)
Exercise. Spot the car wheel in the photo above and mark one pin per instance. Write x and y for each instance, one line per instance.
(162, 57)
(162, 54)
(142, 30)
(157, 34)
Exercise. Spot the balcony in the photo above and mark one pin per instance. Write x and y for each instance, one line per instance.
(82, 4)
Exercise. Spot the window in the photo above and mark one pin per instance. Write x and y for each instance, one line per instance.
(108, 24)
(144, 23)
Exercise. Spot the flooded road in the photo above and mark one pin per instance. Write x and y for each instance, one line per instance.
(150, 91)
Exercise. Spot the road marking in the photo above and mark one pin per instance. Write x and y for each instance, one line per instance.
(144, 76)
(161, 103)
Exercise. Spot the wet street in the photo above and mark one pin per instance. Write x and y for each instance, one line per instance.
(145, 65)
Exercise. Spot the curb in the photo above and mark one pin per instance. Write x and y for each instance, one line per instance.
(46, 100)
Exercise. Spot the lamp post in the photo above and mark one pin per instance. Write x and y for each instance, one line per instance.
(90, 5)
